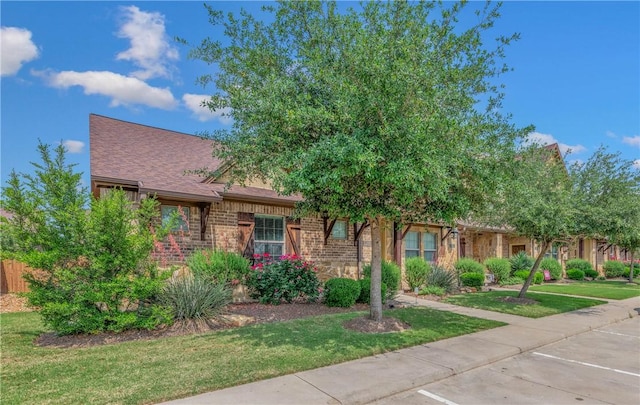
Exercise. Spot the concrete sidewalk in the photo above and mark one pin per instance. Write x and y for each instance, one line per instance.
(371, 378)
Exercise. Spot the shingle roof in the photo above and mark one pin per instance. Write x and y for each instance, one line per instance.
(155, 161)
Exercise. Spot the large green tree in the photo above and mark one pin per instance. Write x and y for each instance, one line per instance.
(609, 188)
(385, 112)
(537, 202)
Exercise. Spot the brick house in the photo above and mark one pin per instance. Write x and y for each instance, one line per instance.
(148, 161)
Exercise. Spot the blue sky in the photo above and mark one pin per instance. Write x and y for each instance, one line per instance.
(576, 77)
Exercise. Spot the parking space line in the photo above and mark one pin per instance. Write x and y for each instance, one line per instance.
(615, 333)
(436, 397)
(588, 364)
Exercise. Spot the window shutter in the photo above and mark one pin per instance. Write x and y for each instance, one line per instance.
(293, 236)
(246, 224)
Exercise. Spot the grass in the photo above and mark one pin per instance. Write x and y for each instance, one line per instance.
(546, 305)
(169, 368)
(614, 290)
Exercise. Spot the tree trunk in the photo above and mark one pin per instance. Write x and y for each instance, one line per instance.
(631, 269)
(525, 287)
(376, 271)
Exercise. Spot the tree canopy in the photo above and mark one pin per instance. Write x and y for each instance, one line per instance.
(385, 111)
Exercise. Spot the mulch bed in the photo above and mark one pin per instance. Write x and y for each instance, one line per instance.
(254, 313)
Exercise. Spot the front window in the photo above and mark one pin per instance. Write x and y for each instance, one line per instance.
(269, 235)
(430, 244)
(339, 230)
(421, 244)
(552, 253)
(181, 214)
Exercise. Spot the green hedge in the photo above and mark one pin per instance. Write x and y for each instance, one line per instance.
(501, 268)
(365, 291)
(613, 269)
(578, 264)
(575, 274)
(472, 279)
(341, 292)
(555, 268)
(467, 265)
(390, 276)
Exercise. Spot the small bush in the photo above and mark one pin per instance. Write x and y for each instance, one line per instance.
(415, 272)
(501, 268)
(512, 281)
(555, 268)
(390, 276)
(613, 269)
(472, 279)
(272, 282)
(523, 274)
(466, 265)
(433, 290)
(591, 273)
(365, 291)
(575, 274)
(601, 278)
(219, 266)
(538, 278)
(194, 297)
(441, 277)
(341, 292)
(521, 261)
(578, 264)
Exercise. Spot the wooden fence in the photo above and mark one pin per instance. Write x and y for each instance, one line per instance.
(11, 280)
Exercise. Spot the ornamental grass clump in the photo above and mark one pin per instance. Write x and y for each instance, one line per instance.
(272, 281)
(194, 297)
(441, 277)
(521, 261)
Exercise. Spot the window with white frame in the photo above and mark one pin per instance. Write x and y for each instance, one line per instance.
(339, 230)
(421, 244)
(181, 214)
(269, 235)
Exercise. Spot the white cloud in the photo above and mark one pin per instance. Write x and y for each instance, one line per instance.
(610, 134)
(73, 146)
(632, 140)
(123, 90)
(16, 48)
(194, 103)
(150, 48)
(546, 139)
(636, 164)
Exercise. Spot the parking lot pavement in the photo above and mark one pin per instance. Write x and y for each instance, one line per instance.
(601, 366)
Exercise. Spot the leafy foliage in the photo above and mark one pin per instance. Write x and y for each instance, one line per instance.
(555, 268)
(579, 264)
(341, 292)
(591, 273)
(94, 272)
(613, 269)
(467, 265)
(390, 277)
(521, 261)
(433, 290)
(523, 274)
(511, 281)
(441, 277)
(500, 267)
(575, 274)
(365, 291)
(194, 297)
(415, 270)
(538, 278)
(218, 265)
(273, 281)
(472, 279)
(386, 112)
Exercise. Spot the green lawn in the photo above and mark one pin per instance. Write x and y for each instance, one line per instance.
(614, 290)
(547, 304)
(163, 369)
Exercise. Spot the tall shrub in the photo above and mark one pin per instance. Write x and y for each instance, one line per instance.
(219, 266)
(613, 269)
(390, 277)
(578, 264)
(468, 265)
(95, 270)
(555, 268)
(501, 268)
(415, 272)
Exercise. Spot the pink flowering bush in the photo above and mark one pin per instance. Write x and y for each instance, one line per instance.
(273, 281)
